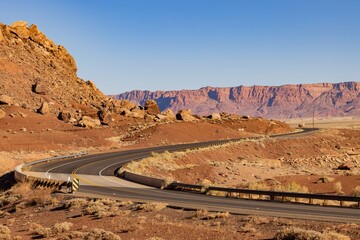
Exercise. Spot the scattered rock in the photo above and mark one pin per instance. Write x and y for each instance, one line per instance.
(105, 117)
(169, 114)
(89, 122)
(6, 100)
(40, 87)
(23, 129)
(23, 115)
(2, 114)
(152, 108)
(214, 116)
(44, 109)
(20, 29)
(325, 179)
(137, 112)
(185, 115)
(66, 116)
(345, 166)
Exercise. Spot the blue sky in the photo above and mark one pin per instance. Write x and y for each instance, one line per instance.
(188, 44)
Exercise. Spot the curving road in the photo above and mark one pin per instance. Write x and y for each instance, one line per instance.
(96, 174)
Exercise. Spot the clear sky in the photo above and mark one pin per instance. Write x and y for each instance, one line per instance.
(187, 44)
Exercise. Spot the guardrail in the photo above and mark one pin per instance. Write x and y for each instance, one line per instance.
(237, 192)
(76, 155)
(21, 176)
(272, 195)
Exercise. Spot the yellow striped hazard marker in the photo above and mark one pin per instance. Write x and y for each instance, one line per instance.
(75, 184)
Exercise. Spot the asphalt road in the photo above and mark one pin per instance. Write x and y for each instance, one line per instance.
(96, 174)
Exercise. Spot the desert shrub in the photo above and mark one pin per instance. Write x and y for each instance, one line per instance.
(34, 227)
(325, 179)
(247, 228)
(257, 220)
(107, 201)
(55, 230)
(334, 236)
(258, 186)
(151, 206)
(4, 230)
(292, 187)
(93, 208)
(61, 227)
(216, 215)
(356, 191)
(96, 234)
(201, 213)
(302, 234)
(21, 188)
(337, 187)
(74, 202)
(297, 234)
(124, 203)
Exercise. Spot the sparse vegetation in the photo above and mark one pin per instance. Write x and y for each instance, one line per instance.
(293, 233)
(97, 233)
(356, 191)
(337, 187)
(151, 206)
(5, 232)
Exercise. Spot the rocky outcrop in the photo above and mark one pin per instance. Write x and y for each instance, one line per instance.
(34, 70)
(44, 108)
(89, 122)
(152, 108)
(185, 115)
(325, 99)
(214, 116)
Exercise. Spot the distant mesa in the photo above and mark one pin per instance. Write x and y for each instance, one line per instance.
(287, 101)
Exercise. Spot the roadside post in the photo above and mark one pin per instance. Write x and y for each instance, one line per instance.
(75, 185)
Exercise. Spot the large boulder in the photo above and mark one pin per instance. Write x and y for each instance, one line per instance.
(137, 112)
(20, 29)
(185, 115)
(105, 117)
(152, 108)
(89, 122)
(44, 108)
(6, 100)
(67, 116)
(214, 116)
(167, 115)
(2, 114)
(40, 87)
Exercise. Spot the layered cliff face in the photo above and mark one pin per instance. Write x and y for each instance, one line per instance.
(325, 99)
(35, 72)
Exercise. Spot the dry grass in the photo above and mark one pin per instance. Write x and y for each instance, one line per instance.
(356, 191)
(165, 161)
(21, 189)
(302, 234)
(55, 230)
(292, 187)
(337, 187)
(5, 232)
(97, 233)
(75, 203)
(258, 186)
(216, 216)
(151, 206)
